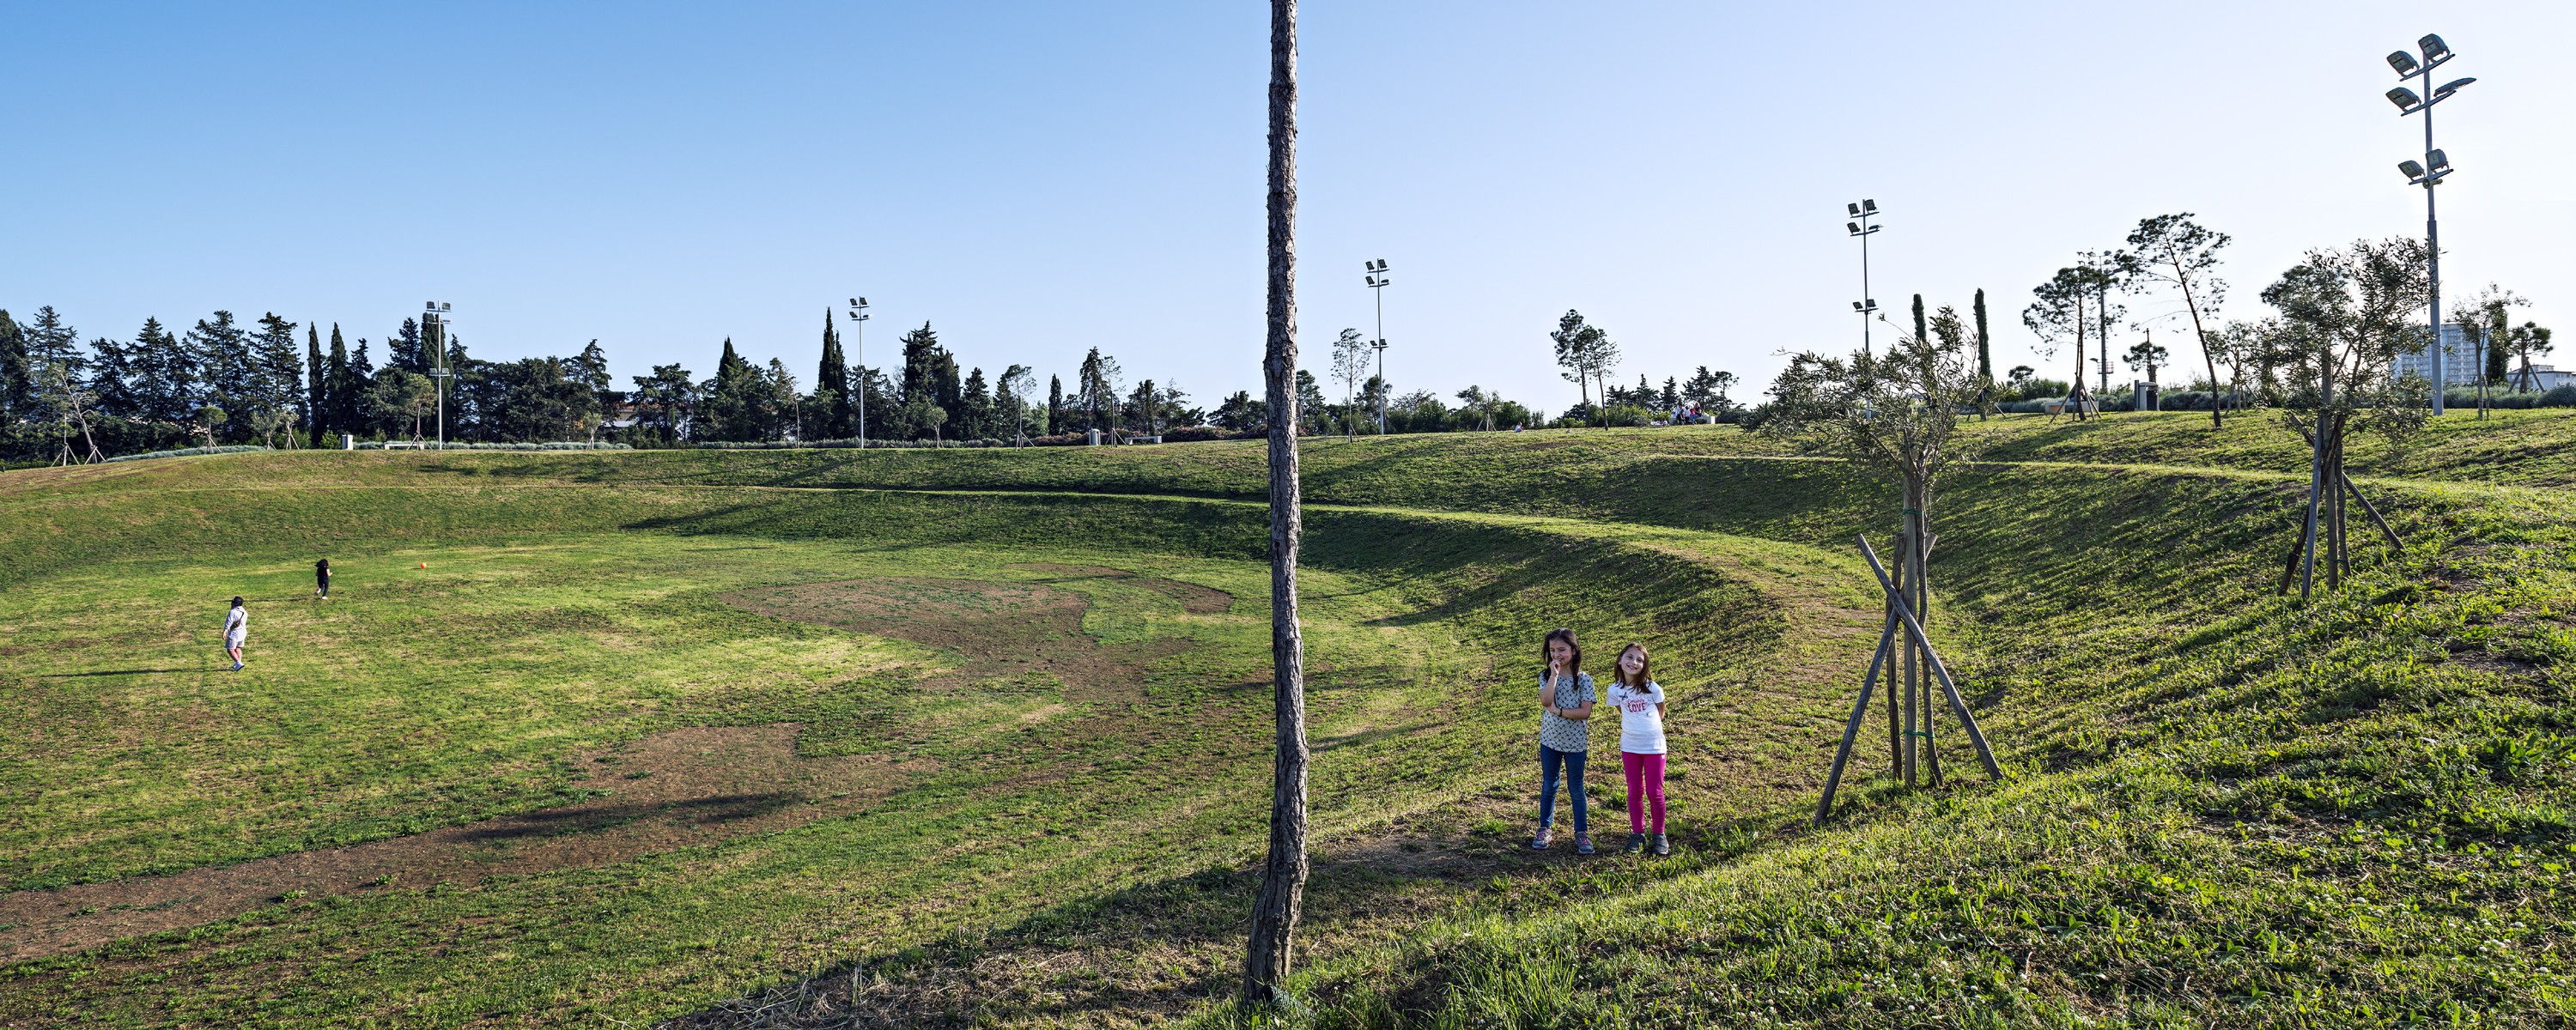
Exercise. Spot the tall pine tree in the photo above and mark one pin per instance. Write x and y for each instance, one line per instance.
(277, 377)
(222, 353)
(111, 378)
(164, 375)
(408, 350)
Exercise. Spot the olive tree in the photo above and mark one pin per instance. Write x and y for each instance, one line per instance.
(2346, 317)
(1897, 414)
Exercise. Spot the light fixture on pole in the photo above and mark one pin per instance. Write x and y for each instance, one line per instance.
(1862, 226)
(2428, 174)
(1377, 281)
(435, 322)
(858, 343)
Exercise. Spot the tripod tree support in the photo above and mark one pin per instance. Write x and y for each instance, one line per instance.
(1940, 670)
(1860, 709)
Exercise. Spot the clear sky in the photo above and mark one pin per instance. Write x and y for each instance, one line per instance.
(1035, 179)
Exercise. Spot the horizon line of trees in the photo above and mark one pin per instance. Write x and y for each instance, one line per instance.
(220, 381)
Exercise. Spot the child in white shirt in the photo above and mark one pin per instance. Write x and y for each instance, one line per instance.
(236, 632)
(1640, 702)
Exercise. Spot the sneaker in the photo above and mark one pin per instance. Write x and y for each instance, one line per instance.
(237, 666)
(1583, 843)
(1663, 846)
(1540, 842)
(1636, 843)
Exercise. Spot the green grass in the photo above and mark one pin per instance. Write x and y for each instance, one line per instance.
(423, 697)
(2227, 809)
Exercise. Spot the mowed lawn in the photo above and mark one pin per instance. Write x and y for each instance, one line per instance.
(948, 795)
(421, 697)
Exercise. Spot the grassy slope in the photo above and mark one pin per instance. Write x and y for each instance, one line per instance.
(2230, 809)
(2074, 588)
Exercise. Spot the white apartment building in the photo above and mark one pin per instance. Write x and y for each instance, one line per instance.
(2458, 364)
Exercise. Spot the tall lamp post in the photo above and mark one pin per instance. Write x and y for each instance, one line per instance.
(2428, 174)
(858, 343)
(1377, 281)
(436, 320)
(1862, 227)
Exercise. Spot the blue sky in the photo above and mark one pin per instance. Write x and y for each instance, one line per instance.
(1037, 179)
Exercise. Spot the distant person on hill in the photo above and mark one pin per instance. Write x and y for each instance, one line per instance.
(1565, 699)
(1640, 702)
(236, 632)
(322, 578)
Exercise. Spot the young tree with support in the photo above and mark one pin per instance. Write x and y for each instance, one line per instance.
(1898, 415)
(2346, 316)
(1283, 876)
(2058, 318)
(1350, 369)
(2482, 321)
(2176, 252)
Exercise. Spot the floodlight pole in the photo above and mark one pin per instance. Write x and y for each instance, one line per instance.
(2433, 53)
(1377, 286)
(1863, 228)
(439, 373)
(858, 344)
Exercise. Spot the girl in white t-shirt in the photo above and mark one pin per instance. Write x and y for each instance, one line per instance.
(1640, 703)
(236, 632)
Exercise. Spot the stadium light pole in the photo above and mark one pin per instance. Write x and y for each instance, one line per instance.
(1377, 281)
(859, 344)
(1862, 227)
(439, 373)
(2428, 174)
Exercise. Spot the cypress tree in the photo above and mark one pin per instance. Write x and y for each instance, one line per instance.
(1985, 356)
(17, 388)
(1922, 331)
(316, 390)
(2498, 356)
(834, 375)
(725, 364)
(1055, 404)
(343, 403)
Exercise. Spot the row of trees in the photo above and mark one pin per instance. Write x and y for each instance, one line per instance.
(1586, 357)
(2172, 262)
(222, 382)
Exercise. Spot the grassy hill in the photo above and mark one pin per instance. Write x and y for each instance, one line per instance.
(2226, 808)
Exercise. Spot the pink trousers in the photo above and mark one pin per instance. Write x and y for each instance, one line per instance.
(1645, 788)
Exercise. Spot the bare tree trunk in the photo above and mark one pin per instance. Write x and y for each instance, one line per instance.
(1905, 653)
(1283, 881)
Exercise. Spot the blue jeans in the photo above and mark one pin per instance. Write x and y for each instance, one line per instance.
(1548, 758)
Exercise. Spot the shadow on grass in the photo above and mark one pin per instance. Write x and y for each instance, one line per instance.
(705, 811)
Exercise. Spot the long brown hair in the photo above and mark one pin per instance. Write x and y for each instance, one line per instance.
(1573, 666)
(1645, 666)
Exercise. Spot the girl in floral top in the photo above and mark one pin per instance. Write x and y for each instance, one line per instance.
(1565, 699)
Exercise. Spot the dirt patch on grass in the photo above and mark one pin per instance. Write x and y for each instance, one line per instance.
(688, 786)
(996, 630)
(1194, 599)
